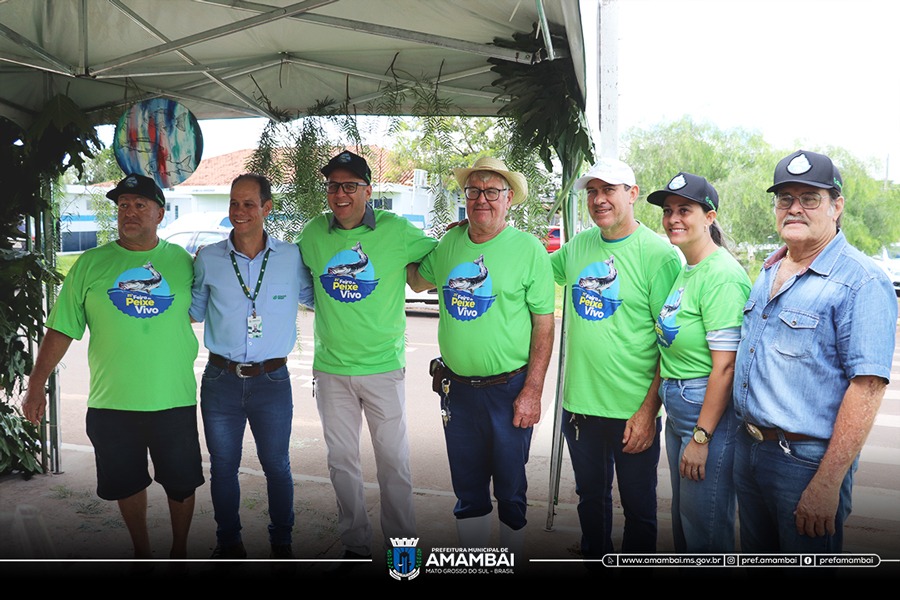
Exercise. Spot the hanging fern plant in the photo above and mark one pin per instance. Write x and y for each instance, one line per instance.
(544, 102)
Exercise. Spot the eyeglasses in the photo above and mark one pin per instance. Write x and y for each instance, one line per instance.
(490, 194)
(809, 200)
(349, 187)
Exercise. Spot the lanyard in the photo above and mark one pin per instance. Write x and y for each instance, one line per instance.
(262, 271)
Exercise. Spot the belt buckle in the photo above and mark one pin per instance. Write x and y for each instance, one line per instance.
(238, 367)
(754, 432)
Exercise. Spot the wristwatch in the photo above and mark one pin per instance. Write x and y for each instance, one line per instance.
(701, 436)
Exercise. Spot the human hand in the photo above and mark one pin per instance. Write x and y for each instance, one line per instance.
(693, 461)
(816, 511)
(640, 431)
(527, 408)
(35, 403)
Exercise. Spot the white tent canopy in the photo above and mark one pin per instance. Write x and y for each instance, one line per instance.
(231, 58)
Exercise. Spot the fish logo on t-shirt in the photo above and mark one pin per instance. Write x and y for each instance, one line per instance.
(666, 330)
(595, 295)
(141, 293)
(468, 291)
(349, 276)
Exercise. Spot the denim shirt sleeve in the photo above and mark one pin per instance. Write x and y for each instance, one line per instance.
(867, 330)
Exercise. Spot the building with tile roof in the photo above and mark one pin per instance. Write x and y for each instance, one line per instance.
(394, 187)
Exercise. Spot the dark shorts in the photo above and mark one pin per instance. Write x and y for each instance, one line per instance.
(121, 439)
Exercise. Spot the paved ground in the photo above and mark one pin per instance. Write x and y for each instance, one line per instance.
(58, 516)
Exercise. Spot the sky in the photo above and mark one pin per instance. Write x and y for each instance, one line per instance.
(804, 73)
(801, 72)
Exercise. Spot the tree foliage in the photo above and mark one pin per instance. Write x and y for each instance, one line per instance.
(446, 143)
(102, 168)
(290, 155)
(740, 164)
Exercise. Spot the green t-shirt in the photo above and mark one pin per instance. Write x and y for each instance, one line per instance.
(615, 290)
(359, 282)
(142, 347)
(709, 297)
(487, 294)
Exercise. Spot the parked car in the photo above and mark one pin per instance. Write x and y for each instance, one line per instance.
(553, 239)
(192, 241)
(195, 230)
(429, 297)
(889, 260)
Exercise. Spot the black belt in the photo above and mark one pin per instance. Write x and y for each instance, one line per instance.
(773, 434)
(480, 382)
(245, 370)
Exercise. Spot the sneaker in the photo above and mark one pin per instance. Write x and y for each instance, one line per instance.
(231, 551)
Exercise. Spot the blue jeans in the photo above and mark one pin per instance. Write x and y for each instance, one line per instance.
(227, 403)
(595, 447)
(769, 482)
(702, 511)
(483, 445)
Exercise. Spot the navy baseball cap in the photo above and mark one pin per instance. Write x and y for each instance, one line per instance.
(808, 168)
(692, 187)
(139, 185)
(352, 162)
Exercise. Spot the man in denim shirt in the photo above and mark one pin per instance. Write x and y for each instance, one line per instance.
(815, 355)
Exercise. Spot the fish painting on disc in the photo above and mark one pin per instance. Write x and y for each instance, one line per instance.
(159, 138)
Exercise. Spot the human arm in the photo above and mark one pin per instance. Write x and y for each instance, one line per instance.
(640, 429)
(199, 290)
(527, 406)
(818, 505)
(715, 401)
(415, 280)
(52, 349)
(307, 292)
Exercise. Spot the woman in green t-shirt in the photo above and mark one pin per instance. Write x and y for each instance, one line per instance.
(698, 331)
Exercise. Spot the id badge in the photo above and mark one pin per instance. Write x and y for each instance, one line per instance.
(254, 326)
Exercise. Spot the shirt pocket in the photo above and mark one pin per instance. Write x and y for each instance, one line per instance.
(796, 333)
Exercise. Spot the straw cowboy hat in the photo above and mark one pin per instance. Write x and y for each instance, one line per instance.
(517, 181)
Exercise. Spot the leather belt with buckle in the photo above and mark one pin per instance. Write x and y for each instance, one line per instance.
(773, 434)
(480, 382)
(245, 370)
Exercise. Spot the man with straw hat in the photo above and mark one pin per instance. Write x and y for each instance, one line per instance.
(496, 336)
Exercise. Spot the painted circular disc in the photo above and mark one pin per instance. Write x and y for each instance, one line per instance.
(159, 138)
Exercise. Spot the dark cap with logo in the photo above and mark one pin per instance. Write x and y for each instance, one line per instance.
(351, 162)
(138, 185)
(692, 187)
(808, 168)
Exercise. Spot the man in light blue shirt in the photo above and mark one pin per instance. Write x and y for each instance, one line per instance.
(247, 288)
(815, 356)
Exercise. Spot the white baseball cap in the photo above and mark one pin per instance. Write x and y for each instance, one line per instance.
(610, 170)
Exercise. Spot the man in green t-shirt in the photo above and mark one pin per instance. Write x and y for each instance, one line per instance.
(358, 257)
(496, 335)
(617, 276)
(134, 295)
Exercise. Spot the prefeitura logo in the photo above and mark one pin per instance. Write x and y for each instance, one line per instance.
(404, 559)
